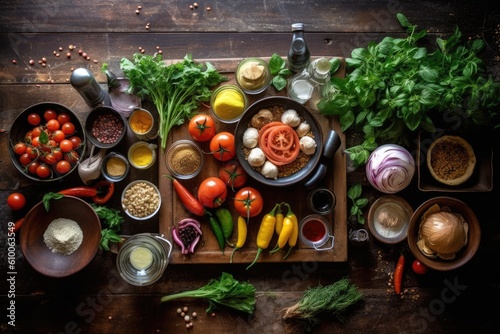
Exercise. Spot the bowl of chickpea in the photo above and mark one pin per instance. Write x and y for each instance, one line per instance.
(141, 200)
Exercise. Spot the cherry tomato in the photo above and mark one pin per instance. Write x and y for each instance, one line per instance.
(63, 167)
(233, 174)
(418, 267)
(248, 202)
(34, 119)
(35, 141)
(16, 201)
(49, 114)
(25, 159)
(222, 146)
(32, 152)
(20, 148)
(68, 128)
(63, 118)
(71, 156)
(49, 158)
(33, 166)
(66, 145)
(202, 127)
(58, 154)
(53, 125)
(77, 141)
(212, 192)
(36, 132)
(43, 171)
(58, 135)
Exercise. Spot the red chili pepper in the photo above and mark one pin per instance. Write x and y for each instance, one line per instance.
(103, 187)
(398, 274)
(188, 200)
(82, 191)
(18, 224)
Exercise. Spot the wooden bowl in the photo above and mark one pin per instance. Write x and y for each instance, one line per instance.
(40, 256)
(464, 254)
(21, 126)
(286, 103)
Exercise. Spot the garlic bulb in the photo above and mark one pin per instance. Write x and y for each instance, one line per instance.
(269, 170)
(290, 117)
(307, 145)
(442, 234)
(256, 157)
(250, 137)
(303, 129)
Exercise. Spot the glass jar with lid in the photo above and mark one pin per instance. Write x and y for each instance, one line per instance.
(311, 82)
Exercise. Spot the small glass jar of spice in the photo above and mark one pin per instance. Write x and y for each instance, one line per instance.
(184, 159)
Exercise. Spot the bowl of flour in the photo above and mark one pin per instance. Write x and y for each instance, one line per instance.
(63, 240)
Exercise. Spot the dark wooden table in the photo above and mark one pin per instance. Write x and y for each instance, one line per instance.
(97, 300)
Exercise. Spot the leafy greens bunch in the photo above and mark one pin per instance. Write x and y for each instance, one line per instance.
(176, 90)
(396, 87)
(227, 291)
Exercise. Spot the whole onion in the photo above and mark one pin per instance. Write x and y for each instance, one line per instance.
(390, 168)
(442, 234)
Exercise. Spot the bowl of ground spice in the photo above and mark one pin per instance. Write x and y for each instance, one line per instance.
(105, 127)
(142, 155)
(115, 167)
(184, 159)
(62, 240)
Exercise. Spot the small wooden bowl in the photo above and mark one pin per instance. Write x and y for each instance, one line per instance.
(40, 256)
(463, 255)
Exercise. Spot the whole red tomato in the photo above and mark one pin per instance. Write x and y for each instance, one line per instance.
(233, 174)
(248, 202)
(16, 201)
(222, 146)
(202, 127)
(212, 192)
(418, 267)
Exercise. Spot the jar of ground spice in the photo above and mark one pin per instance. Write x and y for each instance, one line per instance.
(184, 159)
(115, 167)
(142, 154)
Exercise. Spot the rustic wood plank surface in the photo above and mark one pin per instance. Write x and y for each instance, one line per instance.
(97, 300)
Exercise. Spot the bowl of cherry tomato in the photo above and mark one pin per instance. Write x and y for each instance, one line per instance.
(47, 141)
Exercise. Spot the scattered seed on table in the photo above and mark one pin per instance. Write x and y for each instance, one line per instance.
(71, 47)
(187, 318)
(185, 309)
(194, 315)
(32, 62)
(183, 314)
(68, 54)
(179, 310)
(14, 61)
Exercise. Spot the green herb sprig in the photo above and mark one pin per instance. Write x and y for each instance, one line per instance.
(396, 87)
(358, 202)
(112, 220)
(279, 71)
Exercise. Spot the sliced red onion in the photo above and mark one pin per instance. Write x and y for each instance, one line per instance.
(192, 224)
(390, 168)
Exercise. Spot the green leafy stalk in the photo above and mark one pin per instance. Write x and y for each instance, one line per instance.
(395, 88)
(176, 90)
(227, 292)
(333, 299)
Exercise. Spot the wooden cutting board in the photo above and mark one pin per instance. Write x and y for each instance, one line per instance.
(208, 251)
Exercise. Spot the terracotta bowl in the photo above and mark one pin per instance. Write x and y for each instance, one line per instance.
(463, 255)
(21, 126)
(40, 256)
(287, 103)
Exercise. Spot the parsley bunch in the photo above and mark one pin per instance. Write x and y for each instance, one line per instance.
(396, 87)
(176, 90)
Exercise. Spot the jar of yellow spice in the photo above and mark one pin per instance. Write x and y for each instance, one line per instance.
(143, 125)
(228, 102)
(142, 154)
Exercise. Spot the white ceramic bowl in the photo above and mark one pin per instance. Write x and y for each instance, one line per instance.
(144, 191)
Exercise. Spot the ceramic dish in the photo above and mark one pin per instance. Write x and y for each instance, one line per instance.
(388, 219)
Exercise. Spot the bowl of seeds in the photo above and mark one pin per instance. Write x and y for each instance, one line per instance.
(105, 127)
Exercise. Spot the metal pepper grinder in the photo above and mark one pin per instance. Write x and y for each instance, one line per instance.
(84, 82)
(298, 55)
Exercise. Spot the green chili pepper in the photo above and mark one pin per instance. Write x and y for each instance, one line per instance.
(217, 230)
(226, 222)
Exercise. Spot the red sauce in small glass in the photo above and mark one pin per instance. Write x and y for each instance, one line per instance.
(314, 230)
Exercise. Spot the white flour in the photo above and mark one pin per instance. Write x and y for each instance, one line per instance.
(63, 236)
